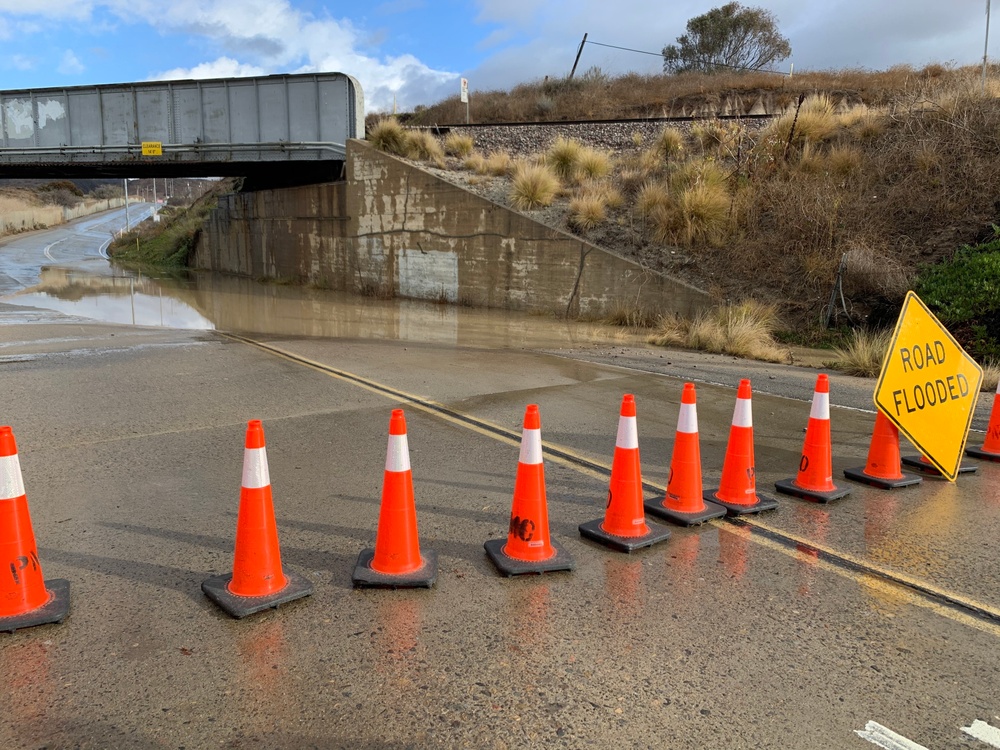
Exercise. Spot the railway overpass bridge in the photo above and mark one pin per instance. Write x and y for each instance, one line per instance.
(276, 130)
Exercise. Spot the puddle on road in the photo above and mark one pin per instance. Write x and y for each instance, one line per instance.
(206, 301)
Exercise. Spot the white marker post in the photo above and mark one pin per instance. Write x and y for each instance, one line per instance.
(465, 98)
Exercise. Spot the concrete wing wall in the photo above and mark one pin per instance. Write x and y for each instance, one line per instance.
(393, 229)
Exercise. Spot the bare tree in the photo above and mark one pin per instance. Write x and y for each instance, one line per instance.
(728, 38)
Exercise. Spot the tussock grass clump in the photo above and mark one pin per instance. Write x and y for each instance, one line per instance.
(698, 172)
(587, 211)
(389, 136)
(499, 163)
(533, 186)
(863, 353)
(420, 145)
(652, 196)
(844, 160)
(710, 135)
(563, 156)
(630, 314)
(669, 143)
(704, 210)
(631, 180)
(745, 329)
(991, 374)
(815, 122)
(475, 162)
(458, 145)
(593, 164)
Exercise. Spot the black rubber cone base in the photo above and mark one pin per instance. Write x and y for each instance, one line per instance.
(592, 530)
(216, 589)
(931, 470)
(711, 510)
(789, 487)
(508, 566)
(735, 509)
(980, 453)
(421, 578)
(54, 610)
(858, 475)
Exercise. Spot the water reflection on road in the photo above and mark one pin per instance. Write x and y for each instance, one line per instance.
(203, 301)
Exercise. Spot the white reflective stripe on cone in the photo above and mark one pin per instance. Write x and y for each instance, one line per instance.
(531, 447)
(628, 433)
(687, 421)
(397, 455)
(743, 413)
(820, 406)
(11, 483)
(255, 474)
(998, 387)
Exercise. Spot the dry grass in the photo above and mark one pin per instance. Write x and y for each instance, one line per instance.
(587, 212)
(863, 353)
(421, 145)
(593, 164)
(652, 197)
(389, 136)
(991, 375)
(563, 156)
(499, 164)
(669, 143)
(745, 330)
(533, 186)
(704, 212)
(843, 161)
(630, 314)
(458, 145)
(698, 172)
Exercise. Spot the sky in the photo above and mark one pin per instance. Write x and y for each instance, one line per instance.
(413, 52)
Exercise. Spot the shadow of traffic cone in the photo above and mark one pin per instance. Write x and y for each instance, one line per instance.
(685, 502)
(26, 599)
(396, 562)
(737, 490)
(883, 469)
(528, 547)
(258, 580)
(991, 445)
(624, 526)
(923, 464)
(815, 478)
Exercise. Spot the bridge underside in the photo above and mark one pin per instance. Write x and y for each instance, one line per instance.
(269, 173)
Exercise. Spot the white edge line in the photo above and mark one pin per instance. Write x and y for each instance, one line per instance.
(984, 733)
(885, 738)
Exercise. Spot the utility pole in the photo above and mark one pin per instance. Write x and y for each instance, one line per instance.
(986, 48)
(577, 60)
(126, 203)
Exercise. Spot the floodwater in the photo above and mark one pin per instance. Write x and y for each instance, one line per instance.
(206, 301)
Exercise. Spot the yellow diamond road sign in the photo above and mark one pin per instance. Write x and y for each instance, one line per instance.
(929, 386)
(152, 148)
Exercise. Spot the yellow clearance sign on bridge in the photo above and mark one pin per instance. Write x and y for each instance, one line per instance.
(152, 148)
(929, 386)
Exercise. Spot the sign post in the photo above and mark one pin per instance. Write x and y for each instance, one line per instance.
(465, 98)
(929, 386)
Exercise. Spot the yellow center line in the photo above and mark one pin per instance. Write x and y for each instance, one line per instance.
(983, 617)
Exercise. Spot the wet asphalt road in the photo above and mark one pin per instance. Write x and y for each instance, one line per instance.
(726, 636)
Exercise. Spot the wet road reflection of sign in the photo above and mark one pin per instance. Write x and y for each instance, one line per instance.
(928, 386)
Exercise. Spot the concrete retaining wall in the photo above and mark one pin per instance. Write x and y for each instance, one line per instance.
(392, 229)
(41, 217)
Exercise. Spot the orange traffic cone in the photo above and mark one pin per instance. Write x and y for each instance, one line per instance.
(396, 562)
(737, 490)
(258, 580)
(883, 469)
(528, 548)
(624, 526)
(815, 477)
(25, 598)
(923, 464)
(991, 446)
(684, 502)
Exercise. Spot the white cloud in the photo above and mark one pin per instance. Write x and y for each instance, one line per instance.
(70, 64)
(76, 9)
(22, 62)
(224, 67)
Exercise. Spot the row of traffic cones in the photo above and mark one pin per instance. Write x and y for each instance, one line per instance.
(259, 581)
